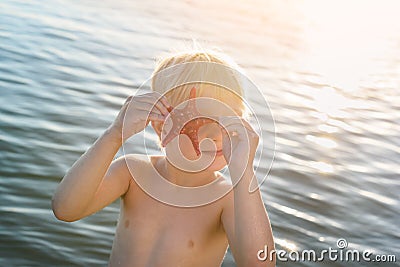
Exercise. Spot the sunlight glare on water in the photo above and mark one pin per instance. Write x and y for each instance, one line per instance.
(345, 38)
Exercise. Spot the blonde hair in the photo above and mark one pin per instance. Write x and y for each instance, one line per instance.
(212, 73)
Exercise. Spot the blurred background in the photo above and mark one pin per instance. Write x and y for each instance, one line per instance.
(330, 71)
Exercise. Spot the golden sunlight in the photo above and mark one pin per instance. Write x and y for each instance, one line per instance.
(344, 39)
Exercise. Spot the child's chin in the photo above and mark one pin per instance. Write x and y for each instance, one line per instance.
(218, 164)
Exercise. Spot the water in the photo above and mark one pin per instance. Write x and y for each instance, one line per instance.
(330, 71)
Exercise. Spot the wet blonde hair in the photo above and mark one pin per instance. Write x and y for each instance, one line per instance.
(184, 64)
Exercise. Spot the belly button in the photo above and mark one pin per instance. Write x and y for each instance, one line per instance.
(126, 223)
(190, 244)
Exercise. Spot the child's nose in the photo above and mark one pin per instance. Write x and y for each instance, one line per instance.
(212, 132)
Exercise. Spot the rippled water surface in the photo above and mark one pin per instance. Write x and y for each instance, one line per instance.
(330, 71)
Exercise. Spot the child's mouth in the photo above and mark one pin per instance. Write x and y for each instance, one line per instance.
(217, 153)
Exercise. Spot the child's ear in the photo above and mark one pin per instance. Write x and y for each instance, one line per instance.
(157, 126)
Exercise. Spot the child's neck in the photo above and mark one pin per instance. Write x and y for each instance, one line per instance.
(183, 178)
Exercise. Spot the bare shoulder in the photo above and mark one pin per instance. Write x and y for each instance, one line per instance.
(135, 159)
(135, 166)
(122, 164)
(222, 185)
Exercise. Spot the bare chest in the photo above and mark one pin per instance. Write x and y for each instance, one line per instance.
(150, 231)
(182, 226)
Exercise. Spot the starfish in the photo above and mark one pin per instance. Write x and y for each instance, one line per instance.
(187, 121)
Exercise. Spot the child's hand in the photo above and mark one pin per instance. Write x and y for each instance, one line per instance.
(137, 112)
(239, 145)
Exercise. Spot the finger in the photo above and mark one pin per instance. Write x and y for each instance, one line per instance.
(248, 126)
(155, 117)
(147, 116)
(155, 102)
(233, 128)
(161, 98)
(227, 145)
(229, 122)
(165, 101)
(226, 137)
(147, 109)
(223, 130)
(235, 120)
(163, 105)
(144, 106)
(238, 131)
(168, 138)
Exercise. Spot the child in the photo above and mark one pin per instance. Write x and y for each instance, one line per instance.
(160, 223)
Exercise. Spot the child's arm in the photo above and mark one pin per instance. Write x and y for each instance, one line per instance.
(78, 187)
(92, 183)
(244, 218)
